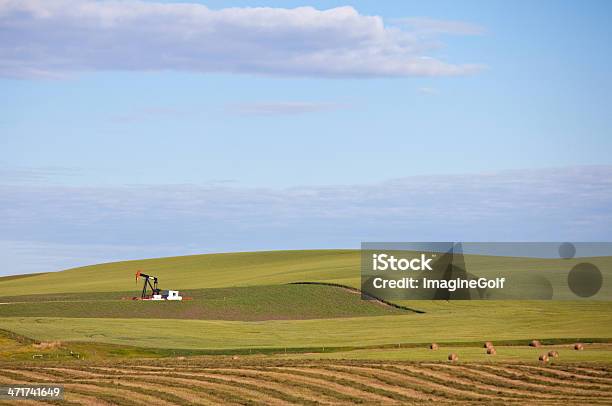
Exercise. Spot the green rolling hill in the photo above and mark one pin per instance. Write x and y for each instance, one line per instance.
(246, 301)
(197, 272)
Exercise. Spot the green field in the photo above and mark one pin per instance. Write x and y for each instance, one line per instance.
(494, 321)
(245, 302)
(265, 268)
(276, 302)
(197, 272)
(593, 353)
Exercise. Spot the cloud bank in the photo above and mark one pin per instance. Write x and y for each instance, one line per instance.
(54, 38)
(567, 204)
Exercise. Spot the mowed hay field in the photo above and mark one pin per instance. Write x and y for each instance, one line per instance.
(224, 380)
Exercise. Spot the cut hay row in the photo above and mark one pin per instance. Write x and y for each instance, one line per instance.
(80, 399)
(368, 391)
(218, 392)
(355, 391)
(500, 378)
(207, 392)
(416, 382)
(503, 386)
(290, 385)
(464, 388)
(393, 391)
(40, 375)
(603, 375)
(521, 378)
(102, 395)
(211, 389)
(527, 383)
(114, 394)
(602, 370)
(567, 374)
(541, 376)
(539, 382)
(275, 391)
(458, 381)
(317, 389)
(24, 402)
(108, 395)
(285, 382)
(148, 394)
(171, 395)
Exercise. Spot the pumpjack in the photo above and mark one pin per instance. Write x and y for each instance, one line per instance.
(156, 293)
(147, 284)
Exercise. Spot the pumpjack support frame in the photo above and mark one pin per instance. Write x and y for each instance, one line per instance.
(147, 284)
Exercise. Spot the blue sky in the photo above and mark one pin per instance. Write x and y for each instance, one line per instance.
(128, 132)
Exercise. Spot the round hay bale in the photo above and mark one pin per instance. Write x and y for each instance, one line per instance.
(578, 347)
(453, 357)
(488, 344)
(535, 343)
(235, 357)
(553, 354)
(543, 358)
(433, 346)
(491, 351)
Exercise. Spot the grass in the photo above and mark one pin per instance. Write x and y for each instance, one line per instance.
(198, 272)
(597, 352)
(20, 349)
(241, 302)
(274, 268)
(493, 321)
(276, 302)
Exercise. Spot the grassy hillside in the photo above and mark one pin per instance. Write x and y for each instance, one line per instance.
(496, 321)
(279, 267)
(242, 301)
(276, 302)
(197, 271)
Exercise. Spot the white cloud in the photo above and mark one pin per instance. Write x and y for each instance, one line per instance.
(53, 38)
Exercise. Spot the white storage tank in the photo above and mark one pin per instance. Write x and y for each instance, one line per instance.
(173, 295)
